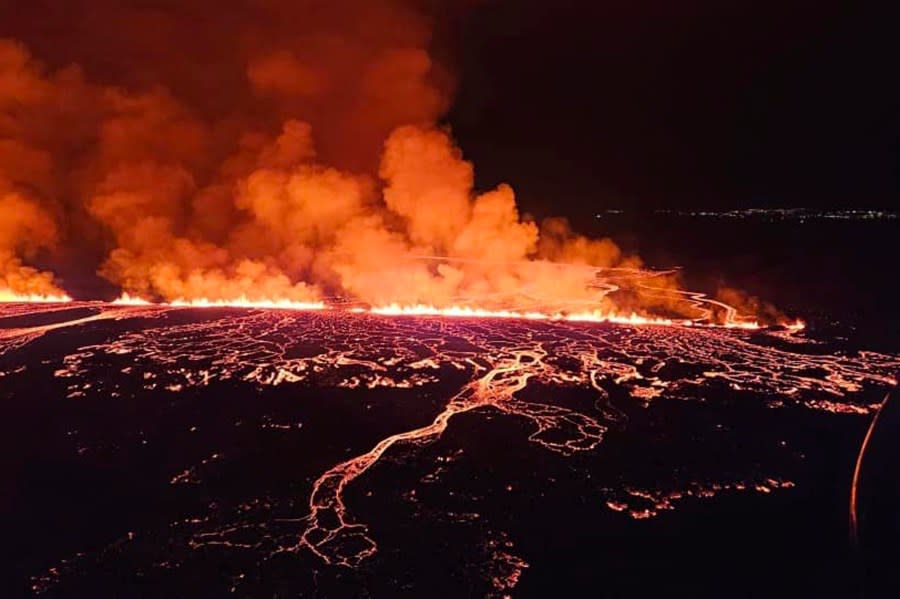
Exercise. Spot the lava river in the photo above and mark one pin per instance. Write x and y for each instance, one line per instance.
(565, 385)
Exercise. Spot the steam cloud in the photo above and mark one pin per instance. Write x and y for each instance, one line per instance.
(286, 149)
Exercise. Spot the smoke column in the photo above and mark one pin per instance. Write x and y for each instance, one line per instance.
(276, 149)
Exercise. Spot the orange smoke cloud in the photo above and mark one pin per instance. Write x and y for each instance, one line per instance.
(286, 152)
(26, 224)
(747, 304)
(24, 229)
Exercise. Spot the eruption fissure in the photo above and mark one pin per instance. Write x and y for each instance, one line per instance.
(318, 171)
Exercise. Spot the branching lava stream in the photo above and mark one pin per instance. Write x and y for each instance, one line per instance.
(516, 367)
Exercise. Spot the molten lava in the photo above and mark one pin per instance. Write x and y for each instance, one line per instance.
(126, 299)
(11, 297)
(468, 312)
(279, 216)
(517, 364)
(463, 311)
(244, 302)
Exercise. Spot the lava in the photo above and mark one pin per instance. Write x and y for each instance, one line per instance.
(242, 301)
(317, 227)
(273, 219)
(9, 296)
(508, 364)
(703, 307)
(126, 299)
(854, 485)
(467, 312)
(337, 540)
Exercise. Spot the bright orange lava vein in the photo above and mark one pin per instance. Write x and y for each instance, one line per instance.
(8, 296)
(406, 310)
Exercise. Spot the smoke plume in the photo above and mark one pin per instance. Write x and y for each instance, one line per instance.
(277, 149)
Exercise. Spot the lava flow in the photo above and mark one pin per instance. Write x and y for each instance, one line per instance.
(333, 536)
(466, 312)
(596, 305)
(7, 296)
(304, 248)
(523, 369)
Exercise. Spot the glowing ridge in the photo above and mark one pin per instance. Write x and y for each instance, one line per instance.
(733, 321)
(10, 296)
(243, 301)
(126, 299)
(467, 312)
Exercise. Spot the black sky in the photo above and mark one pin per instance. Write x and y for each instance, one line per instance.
(584, 104)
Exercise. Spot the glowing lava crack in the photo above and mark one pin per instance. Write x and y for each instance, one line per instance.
(513, 367)
(333, 537)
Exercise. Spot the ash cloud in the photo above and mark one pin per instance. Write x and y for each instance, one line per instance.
(273, 149)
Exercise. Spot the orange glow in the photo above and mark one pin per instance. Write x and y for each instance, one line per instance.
(582, 316)
(9, 296)
(370, 200)
(245, 302)
(126, 299)
(453, 311)
(468, 312)
(535, 350)
(741, 325)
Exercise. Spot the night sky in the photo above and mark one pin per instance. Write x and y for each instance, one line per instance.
(659, 104)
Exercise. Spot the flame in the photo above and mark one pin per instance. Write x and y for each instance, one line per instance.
(453, 311)
(243, 301)
(738, 324)
(306, 195)
(469, 312)
(9, 296)
(126, 299)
